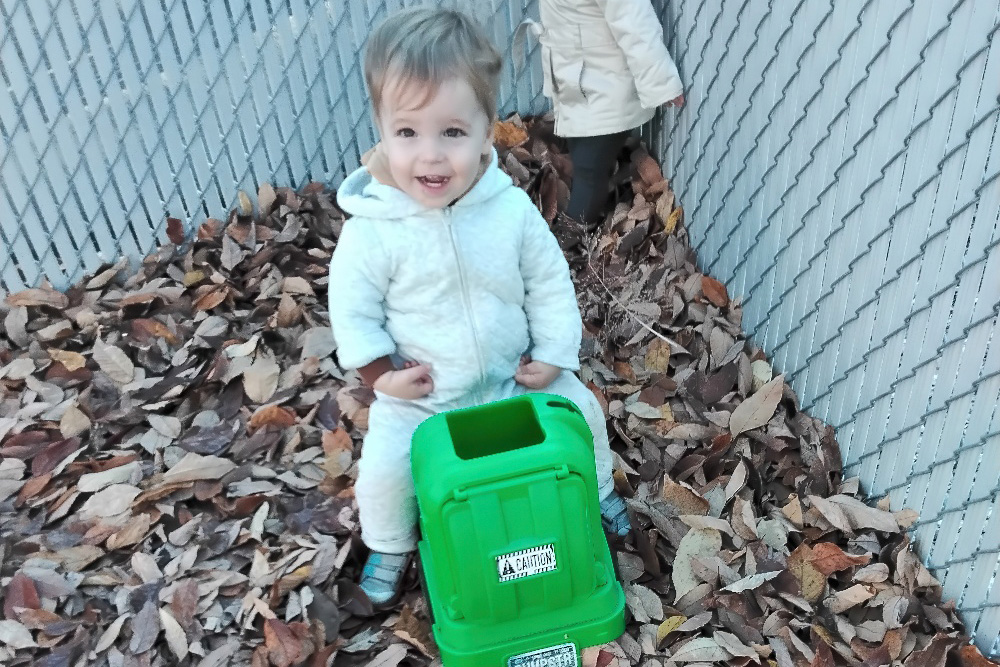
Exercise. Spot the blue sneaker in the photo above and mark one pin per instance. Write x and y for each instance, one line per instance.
(614, 515)
(382, 577)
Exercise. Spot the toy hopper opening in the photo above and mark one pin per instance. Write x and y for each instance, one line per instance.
(516, 565)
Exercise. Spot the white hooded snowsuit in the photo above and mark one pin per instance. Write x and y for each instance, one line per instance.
(466, 289)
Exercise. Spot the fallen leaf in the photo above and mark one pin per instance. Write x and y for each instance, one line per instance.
(110, 634)
(751, 582)
(700, 649)
(851, 597)
(714, 291)
(261, 380)
(113, 362)
(669, 624)
(73, 361)
(273, 415)
(972, 657)
(73, 422)
(812, 582)
(829, 558)
(284, 648)
(175, 231)
(757, 409)
(145, 628)
(695, 544)
(658, 356)
(15, 635)
(20, 592)
(176, 639)
(38, 296)
(194, 467)
(109, 501)
(390, 657)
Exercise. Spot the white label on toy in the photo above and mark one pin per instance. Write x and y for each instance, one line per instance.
(526, 562)
(563, 655)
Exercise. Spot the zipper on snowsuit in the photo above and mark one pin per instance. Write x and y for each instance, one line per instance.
(467, 301)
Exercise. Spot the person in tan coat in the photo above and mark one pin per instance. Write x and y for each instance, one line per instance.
(606, 71)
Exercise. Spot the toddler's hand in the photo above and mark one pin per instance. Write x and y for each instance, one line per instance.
(536, 374)
(410, 382)
(676, 102)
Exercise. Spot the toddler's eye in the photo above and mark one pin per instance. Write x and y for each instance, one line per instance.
(454, 132)
(405, 132)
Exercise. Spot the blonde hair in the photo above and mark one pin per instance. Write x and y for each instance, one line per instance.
(428, 46)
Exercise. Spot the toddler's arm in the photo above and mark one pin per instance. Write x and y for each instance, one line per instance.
(638, 32)
(359, 279)
(554, 322)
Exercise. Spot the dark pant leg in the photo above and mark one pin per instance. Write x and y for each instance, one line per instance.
(593, 159)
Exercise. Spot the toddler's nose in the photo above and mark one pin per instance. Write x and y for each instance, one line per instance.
(433, 151)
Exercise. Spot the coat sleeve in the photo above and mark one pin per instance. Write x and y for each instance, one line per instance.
(638, 32)
(554, 322)
(359, 279)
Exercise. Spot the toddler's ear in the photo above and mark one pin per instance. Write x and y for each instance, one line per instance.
(488, 142)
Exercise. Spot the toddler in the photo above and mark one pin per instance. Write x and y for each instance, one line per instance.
(447, 288)
(606, 71)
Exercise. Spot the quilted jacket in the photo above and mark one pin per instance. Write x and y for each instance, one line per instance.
(606, 67)
(467, 288)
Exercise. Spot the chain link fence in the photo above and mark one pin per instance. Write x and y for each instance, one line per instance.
(117, 113)
(839, 163)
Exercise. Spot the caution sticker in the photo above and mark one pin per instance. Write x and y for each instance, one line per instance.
(563, 655)
(526, 562)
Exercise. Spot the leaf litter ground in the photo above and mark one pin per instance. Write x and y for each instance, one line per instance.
(178, 450)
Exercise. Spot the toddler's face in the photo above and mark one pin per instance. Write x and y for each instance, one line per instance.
(433, 143)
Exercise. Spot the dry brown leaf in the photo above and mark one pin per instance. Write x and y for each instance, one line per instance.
(38, 296)
(972, 657)
(284, 648)
(73, 361)
(175, 231)
(670, 224)
(758, 408)
(683, 498)
(266, 196)
(194, 467)
(853, 596)
(110, 501)
(714, 291)
(700, 649)
(829, 558)
(174, 633)
(812, 582)
(15, 635)
(695, 544)
(145, 628)
(260, 381)
(658, 356)
(507, 134)
(20, 592)
(211, 298)
(113, 362)
(273, 415)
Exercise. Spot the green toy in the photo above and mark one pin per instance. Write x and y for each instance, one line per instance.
(515, 562)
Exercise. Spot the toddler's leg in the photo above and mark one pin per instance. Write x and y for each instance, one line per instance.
(569, 386)
(593, 159)
(387, 503)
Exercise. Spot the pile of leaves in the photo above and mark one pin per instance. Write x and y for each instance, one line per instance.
(178, 449)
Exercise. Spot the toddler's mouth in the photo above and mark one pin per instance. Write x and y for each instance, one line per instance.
(434, 182)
